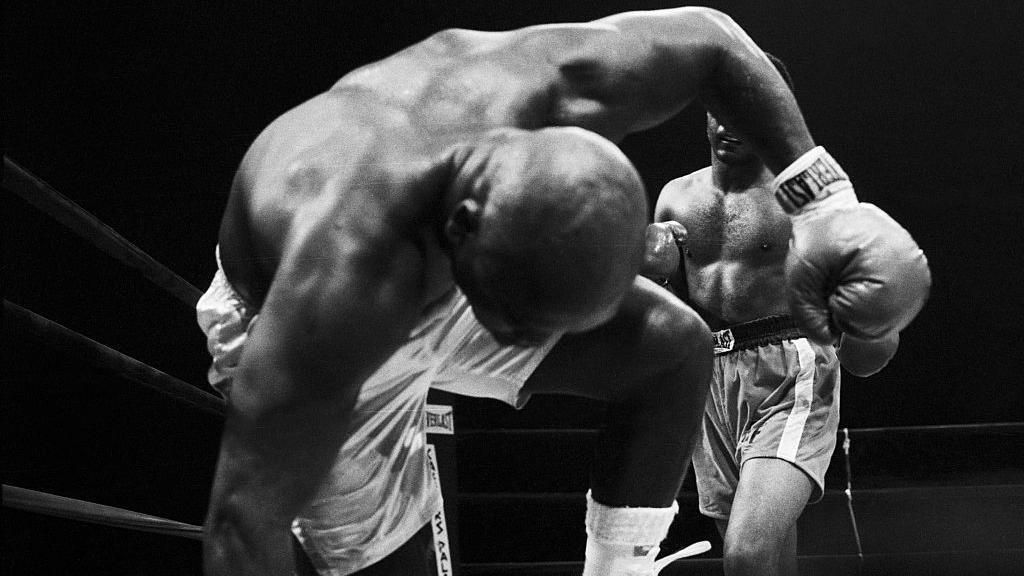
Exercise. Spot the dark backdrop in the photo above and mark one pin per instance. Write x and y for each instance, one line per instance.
(141, 113)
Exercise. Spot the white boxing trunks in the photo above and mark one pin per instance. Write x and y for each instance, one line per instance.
(774, 394)
(379, 492)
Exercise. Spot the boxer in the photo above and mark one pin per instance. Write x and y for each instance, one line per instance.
(723, 243)
(434, 219)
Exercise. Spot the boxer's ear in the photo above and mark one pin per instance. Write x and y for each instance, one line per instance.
(463, 221)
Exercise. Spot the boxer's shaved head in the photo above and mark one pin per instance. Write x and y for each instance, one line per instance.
(557, 220)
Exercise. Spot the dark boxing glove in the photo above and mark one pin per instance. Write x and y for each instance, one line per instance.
(662, 253)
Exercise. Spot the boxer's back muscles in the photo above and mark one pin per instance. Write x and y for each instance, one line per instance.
(323, 162)
(614, 76)
(440, 93)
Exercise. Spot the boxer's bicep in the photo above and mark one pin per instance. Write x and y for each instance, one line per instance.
(650, 65)
(635, 70)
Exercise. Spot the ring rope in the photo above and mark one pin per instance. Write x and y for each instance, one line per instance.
(849, 495)
(45, 198)
(1015, 428)
(62, 209)
(22, 322)
(72, 509)
(978, 428)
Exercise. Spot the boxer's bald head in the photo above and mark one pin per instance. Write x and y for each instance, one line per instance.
(550, 237)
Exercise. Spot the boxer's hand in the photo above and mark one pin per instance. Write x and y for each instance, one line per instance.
(661, 257)
(851, 268)
(867, 357)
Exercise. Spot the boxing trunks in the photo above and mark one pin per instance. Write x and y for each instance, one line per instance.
(379, 492)
(774, 394)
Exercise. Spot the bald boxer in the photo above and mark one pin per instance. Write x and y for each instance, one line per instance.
(431, 220)
(771, 418)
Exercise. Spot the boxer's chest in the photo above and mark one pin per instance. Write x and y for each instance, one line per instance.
(745, 226)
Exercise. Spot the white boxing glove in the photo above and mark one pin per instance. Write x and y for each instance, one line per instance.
(851, 268)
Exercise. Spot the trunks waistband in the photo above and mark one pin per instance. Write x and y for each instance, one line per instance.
(760, 332)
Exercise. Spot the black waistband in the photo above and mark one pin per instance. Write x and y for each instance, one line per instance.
(767, 330)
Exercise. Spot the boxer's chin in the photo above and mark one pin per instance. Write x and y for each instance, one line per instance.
(731, 152)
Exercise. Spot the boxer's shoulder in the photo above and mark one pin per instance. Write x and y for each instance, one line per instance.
(686, 195)
(374, 182)
(689, 186)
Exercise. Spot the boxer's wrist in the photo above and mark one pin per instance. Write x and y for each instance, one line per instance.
(813, 181)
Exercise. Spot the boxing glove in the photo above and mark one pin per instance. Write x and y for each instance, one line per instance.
(865, 358)
(662, 252)
(851, 268)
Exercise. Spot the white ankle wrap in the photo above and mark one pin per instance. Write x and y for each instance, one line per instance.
(623, 541)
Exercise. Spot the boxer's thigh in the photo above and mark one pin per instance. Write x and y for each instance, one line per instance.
(652, 334)
(771, 495)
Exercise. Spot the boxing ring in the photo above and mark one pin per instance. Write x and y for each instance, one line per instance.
(27, 324)
(490, 487)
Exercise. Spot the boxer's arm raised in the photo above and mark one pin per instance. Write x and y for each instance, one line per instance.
(343, 299)
(631, 71)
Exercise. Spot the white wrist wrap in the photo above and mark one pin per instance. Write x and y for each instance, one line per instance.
(810, 179)
(623, 541)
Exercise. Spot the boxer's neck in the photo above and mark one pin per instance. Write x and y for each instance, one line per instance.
(740, 176)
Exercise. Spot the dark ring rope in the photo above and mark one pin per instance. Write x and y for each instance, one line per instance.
(21, 322)
(41, 195)
(46, 199)
(72, 509)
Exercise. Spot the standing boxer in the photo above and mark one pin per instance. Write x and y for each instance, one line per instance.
(771, 418)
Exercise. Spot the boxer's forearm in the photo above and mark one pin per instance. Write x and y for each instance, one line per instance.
(746, 92)
(270, 465)
(240, 538)
(704, 54)
(237, 543)
(289, 411)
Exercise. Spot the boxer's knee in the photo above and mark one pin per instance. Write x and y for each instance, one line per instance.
(748, 558)
(758, 548)
(682, 352)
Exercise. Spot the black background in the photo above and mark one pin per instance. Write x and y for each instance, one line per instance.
(140, 113)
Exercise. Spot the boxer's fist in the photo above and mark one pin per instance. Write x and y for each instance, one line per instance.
(851, 268)
(663, 250)
(867, 357)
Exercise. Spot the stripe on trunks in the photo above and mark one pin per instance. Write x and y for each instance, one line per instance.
(803, 396)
